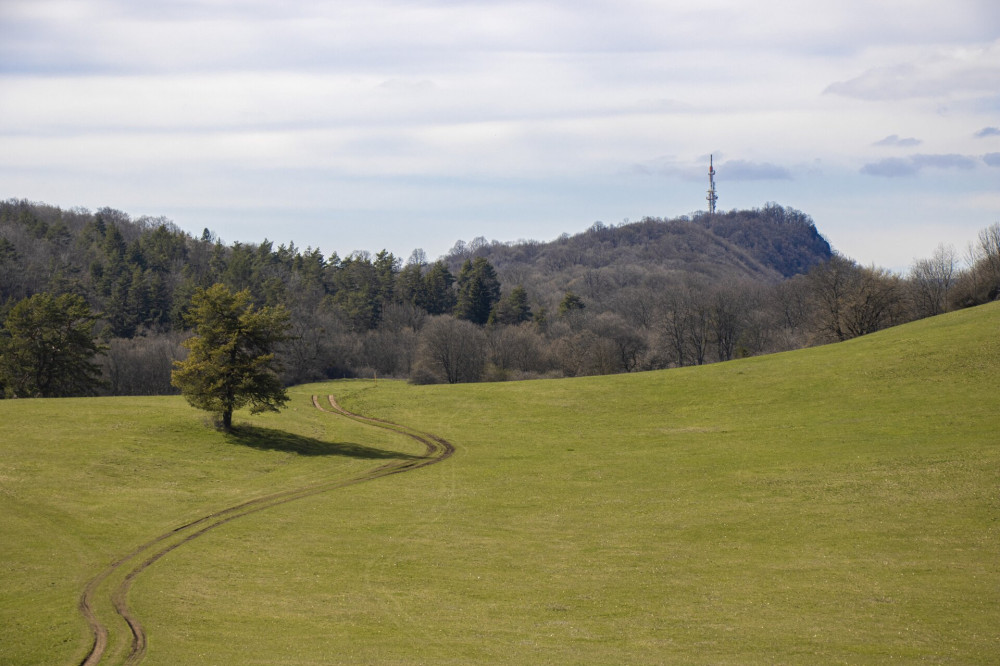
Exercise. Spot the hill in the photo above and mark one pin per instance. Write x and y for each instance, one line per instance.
(365, 313)
(763, 246)
(760, 244)
(833, 504)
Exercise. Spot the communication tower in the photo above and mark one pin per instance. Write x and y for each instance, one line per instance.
(712, 196)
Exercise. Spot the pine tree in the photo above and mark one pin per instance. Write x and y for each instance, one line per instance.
(438, 297)
(231, 362)
(512, 310)
(49, 347)
(570, 303)
(478, 291)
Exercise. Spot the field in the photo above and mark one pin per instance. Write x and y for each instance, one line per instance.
(838, 504)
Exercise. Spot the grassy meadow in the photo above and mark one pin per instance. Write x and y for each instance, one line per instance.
(837, 504)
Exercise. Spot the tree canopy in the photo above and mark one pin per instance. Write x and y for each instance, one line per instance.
(231, 362)
(512, 310)
(657, 293)
(478, 291)
(49, 348)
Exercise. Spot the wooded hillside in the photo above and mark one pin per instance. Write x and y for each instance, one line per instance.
(766, 244)
(644, 295)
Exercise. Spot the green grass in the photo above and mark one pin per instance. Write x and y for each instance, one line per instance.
(837, 504)
(84, 481)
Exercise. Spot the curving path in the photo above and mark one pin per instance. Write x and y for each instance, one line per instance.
(134, 563)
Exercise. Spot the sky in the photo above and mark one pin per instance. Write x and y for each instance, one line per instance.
(384, 124)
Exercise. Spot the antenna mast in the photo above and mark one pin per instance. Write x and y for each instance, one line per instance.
(712, 196)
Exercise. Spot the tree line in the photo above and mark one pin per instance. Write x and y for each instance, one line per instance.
(636, 296)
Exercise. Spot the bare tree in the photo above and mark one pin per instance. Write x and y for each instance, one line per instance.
(833, 284)
(984, 266)
(402, 316)
(672, 326)
(876, 302)
(517, 348)
(320, 344)
(932, 280)
(141, 366)
(586, 353)
(729, 316)
(988, 249)
(388, 352)
(758, 333)
(627, 344)
(685, 316)
(635, 305)
(453, 350)
(791, 298)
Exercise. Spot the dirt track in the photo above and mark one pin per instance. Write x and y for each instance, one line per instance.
(134, 563)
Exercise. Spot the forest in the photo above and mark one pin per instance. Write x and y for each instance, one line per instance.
(634, 296)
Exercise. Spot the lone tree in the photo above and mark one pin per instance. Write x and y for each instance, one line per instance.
(48, 349)
(231, 362)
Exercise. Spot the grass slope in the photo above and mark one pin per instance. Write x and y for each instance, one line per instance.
(84, 481)
(837, 504)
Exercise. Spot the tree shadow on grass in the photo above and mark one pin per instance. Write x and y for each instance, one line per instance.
(267, 439)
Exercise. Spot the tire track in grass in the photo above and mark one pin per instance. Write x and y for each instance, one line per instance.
(137, 561)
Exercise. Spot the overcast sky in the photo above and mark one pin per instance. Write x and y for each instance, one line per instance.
(369, 124)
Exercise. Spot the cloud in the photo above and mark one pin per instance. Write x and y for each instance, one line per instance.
(988, 131)
(896, 141)
(875, 84)
(992, 159)
(169, 106)
(951, 161)
(406, 85)
(727, 170)
(670, 166)
(896, 167)
(943, 74)
(745, 170)
(664, 105)
(891, 167)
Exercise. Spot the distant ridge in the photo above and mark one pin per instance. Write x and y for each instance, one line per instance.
(766, 243)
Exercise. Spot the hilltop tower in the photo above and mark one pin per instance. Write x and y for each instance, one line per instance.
(712, 196)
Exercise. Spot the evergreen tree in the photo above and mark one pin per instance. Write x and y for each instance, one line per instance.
(513, 309)
(10, 270)
(478, 291)
(231, 361)
(116, 309)
(410, 284)
(49, 347)
(356, 283)
(437, 296)
(570, 303)
(386, 268)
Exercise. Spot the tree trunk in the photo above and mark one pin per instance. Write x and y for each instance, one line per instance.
(227, 420)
